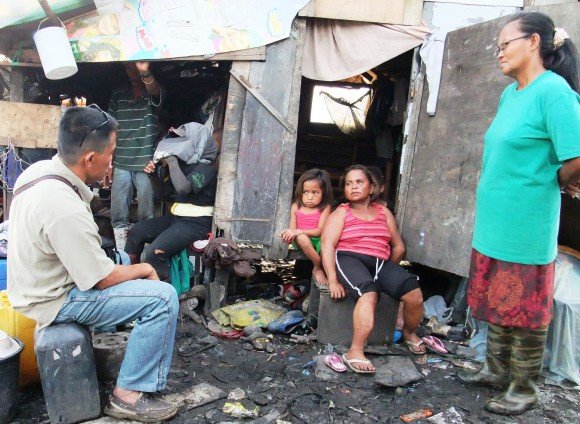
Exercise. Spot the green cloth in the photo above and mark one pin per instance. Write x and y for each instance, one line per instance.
(138, 129)
(518, 198)
(180, 272)
(315, 243)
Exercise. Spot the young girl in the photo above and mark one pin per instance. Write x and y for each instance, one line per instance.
(310, 209)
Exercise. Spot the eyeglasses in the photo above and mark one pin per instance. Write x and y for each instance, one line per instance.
(503, 45)
(95, 106)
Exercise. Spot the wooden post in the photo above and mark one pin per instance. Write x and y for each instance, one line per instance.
(229, 151)
(16, 95)
(414, 108)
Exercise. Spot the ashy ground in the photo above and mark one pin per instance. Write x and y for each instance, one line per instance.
(283, 388)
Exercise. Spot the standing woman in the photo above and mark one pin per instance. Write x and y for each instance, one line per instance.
(532, 150)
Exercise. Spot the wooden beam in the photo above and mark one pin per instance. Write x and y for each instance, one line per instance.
(263, 101)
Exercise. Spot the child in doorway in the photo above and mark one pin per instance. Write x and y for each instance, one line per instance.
(310, 209)
(379, 180)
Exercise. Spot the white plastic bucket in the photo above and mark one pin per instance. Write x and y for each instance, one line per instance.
(55, 52)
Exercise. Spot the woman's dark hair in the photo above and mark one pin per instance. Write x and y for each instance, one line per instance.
(368, 174)
(83, 129)
(323, 180)
(562, 60)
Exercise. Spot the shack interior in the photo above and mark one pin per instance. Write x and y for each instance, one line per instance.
(335, 128)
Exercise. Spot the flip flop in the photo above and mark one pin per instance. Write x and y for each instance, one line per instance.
(418, 348)
(434, 344)
(349, 363)
(334, 361)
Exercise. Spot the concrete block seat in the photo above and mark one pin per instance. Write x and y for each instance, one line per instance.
(335, 318)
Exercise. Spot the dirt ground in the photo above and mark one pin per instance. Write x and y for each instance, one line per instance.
(284, 388)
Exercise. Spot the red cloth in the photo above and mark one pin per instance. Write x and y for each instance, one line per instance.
(365, 237)
(510, 294)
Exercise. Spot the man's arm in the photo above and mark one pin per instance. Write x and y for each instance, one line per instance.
(151, 84)
(122, 273)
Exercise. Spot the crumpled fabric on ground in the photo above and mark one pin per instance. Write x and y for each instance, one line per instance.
(223, 253)
(252, 312)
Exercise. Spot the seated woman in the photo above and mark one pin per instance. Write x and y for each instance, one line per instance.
(191, 214)
(361, 248)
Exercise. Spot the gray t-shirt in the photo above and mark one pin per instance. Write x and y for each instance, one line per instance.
(54, 244)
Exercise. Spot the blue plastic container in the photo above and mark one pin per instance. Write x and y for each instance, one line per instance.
(3, 265)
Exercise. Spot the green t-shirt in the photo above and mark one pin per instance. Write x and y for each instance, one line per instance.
(517, 210)
(138, 128)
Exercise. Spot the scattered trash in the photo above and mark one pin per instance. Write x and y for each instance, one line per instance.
(259, 341)
(238, 410)
(198, 395)
(449, 416)
(433, 360)
(251, 312)
(421, 413)
(192, 347)
(465, 364)
(237, 394)
(303, 339)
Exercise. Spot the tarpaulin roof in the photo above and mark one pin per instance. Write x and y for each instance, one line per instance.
(14, 12)
(335, 50)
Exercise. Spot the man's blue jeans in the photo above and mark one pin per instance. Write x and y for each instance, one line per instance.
(153, 306)
(122, 195)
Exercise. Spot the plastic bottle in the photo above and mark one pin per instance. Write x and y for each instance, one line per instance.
(67, 372)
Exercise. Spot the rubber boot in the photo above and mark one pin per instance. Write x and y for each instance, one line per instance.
(525, 365)
(495, 371)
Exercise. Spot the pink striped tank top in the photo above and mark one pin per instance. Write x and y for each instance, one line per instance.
(365, 237)
(307, 221)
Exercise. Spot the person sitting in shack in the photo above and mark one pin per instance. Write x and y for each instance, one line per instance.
(361, 249)
(189, 154)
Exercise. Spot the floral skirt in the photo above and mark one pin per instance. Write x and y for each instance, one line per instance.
(510, 294)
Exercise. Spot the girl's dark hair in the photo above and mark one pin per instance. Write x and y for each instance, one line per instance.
(368, 174)
(564, 59)
(323, 180)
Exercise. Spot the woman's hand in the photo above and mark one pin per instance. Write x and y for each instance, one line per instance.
(573, 189)
(336, 290)
(288, 235)
(150, 167)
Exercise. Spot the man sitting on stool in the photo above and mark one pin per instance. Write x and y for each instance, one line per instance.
(59, 273)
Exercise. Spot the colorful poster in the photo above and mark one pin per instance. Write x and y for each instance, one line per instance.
(162, 29)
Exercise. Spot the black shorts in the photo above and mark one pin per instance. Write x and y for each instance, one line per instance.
(360, 274)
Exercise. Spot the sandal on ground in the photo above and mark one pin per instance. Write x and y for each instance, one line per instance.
(349, 363)
(334, 361)
(434, 344)
(147, 409)
(418, 348)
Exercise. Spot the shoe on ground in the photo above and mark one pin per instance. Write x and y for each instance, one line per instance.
(147, 409)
